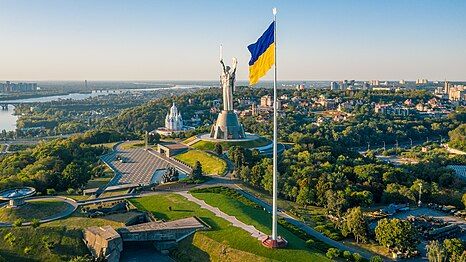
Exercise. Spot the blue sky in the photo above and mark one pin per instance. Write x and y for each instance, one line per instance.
(179, 40)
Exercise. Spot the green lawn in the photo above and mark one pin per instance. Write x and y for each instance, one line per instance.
(100, 181)
(132, 144)
(209, 145)
(211, 164)
(106, 145)
(78, 220)
(223, 234)
(115, 193)
(33, 209)
(44, 244)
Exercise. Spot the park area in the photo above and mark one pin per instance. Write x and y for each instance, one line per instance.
(59, 240)
(224, 241)
(211, 165)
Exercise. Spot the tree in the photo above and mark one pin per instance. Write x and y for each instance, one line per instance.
(218, 149)
(18, 222)
(333, 253)
(35, 223)
(304, 196)
(376, 259)
(458, 137)
(397, 235)
(455, 249)
(436, 252)
(355, 223)
(75, 175)
(170, 175)
(197, 171)
(463, 199)
(154, 138)
(336, 202)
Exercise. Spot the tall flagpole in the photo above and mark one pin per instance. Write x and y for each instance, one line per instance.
(274, 204)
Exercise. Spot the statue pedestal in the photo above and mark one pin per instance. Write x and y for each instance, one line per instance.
(227, 127)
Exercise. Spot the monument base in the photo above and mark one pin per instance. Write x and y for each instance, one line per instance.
(278, 243)
(227, 127)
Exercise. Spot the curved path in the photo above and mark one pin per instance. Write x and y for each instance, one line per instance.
(72, 206)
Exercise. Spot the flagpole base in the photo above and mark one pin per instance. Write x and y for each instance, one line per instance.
(278, 243)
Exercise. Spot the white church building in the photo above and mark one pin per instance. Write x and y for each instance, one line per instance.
(173, 122)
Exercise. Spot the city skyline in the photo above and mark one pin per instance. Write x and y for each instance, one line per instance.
(122, 41)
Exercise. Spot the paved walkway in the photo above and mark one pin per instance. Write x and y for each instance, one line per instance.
(233, 220)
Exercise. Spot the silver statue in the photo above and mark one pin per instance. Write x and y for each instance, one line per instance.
(227, 80)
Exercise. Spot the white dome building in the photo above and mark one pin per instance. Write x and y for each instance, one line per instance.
(173, 120)
(173, 123)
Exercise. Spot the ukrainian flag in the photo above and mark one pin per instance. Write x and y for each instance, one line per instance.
(262, 55)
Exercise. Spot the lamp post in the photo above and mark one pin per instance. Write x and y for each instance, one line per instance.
(420, 193)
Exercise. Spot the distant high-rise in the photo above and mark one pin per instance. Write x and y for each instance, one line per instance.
(85, 84)
(402, 82)
(421, 81)
(334, 86)
(446, 88)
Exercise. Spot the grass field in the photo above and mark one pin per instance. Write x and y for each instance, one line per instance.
(211, 164)
(100, 181)
(115, 193)
(41, 244)
(33, 209)
(209, 145)
(223, 236)
(79, 221)
(132, 144)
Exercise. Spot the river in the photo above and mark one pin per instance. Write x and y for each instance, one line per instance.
(8, 119)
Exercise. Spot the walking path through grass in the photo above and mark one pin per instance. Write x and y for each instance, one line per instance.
(233, 220)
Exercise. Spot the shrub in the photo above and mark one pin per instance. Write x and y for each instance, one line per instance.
(35, 223)
(27, 250)
(85, 258)
(357, 257)
(310, 243)
(49, 244)
(10, 238)
(376, 259)
(333, 253)
(347, 255)
(70, 191)
(51, 191)
(18, 222)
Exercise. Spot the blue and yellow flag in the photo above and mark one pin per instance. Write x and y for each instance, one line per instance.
(262, 55)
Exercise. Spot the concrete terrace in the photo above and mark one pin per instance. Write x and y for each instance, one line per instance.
(137, 165)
